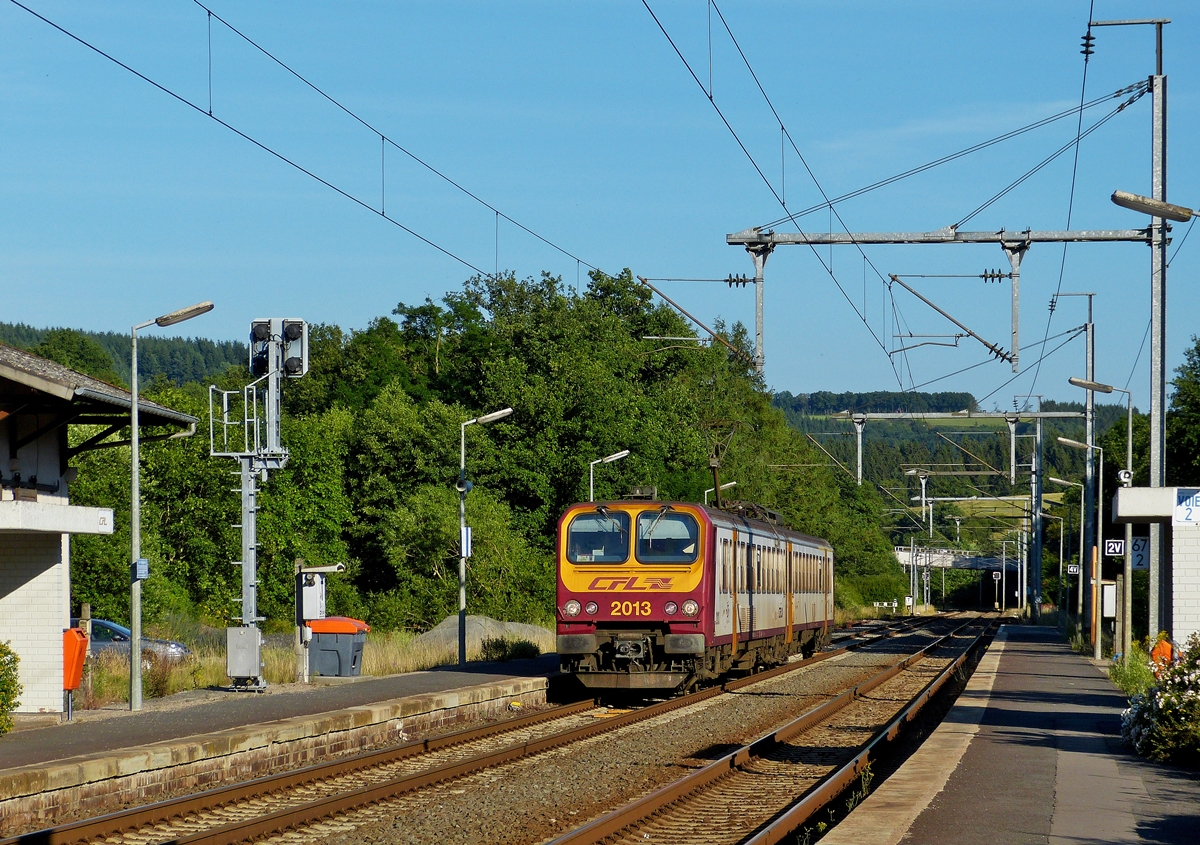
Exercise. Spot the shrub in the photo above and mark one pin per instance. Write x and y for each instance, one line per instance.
(502, 648)
(10, 686)
(1132, 673)
(1164, 722)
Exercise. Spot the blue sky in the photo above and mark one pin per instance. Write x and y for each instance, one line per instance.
(579, 121)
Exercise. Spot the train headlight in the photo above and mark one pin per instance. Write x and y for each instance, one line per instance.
(590, 608)
(670, 608)
(571, 608)
(690, 608)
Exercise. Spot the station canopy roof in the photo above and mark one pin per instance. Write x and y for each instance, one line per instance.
(55, 396)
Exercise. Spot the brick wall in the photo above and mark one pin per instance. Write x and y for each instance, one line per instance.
(32, 605)
(1185, 595)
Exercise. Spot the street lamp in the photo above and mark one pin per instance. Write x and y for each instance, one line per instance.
(135, 516)
(1153, 207)
(1099, 530)
(1160, 211)
(464, 533)
(1127, 598)
(714, 489)
(592, 471)
(1065, 483)
(1061, 531)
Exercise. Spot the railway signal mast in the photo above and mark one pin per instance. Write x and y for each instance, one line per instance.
(245, 425)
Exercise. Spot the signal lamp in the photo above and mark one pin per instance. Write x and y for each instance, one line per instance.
(293, 366)
(571, 608)
(260, 331)
(259, 364)
(690, 608)
(590, 608)
(292, 331)
(670, 608)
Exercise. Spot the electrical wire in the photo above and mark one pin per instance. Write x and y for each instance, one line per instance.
(1146, 334)
(384, 137)
(1073, 143)
(1041, 358)
(252, 140)
(763, 176)
(960, 154)
(1087, 53)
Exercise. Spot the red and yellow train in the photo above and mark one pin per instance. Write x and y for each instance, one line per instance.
(658, 596)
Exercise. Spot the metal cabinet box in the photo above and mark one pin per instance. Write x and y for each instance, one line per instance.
(243, 655)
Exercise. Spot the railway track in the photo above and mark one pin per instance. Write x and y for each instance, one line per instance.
(765, 791)
(315, 794)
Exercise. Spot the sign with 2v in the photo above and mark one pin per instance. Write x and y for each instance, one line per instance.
(1114, 548)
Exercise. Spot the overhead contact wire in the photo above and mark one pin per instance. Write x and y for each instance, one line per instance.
(253, 141)
(763, 176)
(385, 138)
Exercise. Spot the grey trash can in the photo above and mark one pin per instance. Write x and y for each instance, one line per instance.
(336, 647)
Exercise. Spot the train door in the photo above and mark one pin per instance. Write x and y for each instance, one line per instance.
(723, 605)
(742, 563)
(787, 591)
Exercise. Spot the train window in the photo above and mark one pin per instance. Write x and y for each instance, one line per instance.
(664, 537)
(725, 566)
(600, 537)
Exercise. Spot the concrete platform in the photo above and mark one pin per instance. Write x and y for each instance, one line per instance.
(1030, 753)
(107, 758)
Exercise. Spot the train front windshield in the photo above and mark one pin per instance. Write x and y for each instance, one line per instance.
(664, 537)
(598, 537)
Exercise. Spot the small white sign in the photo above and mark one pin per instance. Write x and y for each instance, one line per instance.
(1114, 548)
(908, 600)
(1072, 568)
(1141, 553)
(995, 576)
(1187, 507)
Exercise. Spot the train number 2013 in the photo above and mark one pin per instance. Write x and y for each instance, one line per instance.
(630, 608)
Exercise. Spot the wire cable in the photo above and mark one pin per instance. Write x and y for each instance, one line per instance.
(960, 154)
(1087, 54)
(764, 178)
(384, 137)
(253, 141)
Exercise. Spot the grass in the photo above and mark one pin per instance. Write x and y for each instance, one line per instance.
(106, 679)
(1132, 673)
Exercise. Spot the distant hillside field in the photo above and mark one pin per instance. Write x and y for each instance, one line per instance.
(180, 359)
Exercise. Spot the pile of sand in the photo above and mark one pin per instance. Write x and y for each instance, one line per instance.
(480, 628)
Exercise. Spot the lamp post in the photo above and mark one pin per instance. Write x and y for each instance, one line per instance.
(1061, 530)
(714, 489)
(1127, 598)
(1065, 483)
(616, 456)
(135, 510)
(1096, 541)
(464, 536)
(1160, 211)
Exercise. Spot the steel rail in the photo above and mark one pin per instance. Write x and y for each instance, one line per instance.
(314, 811)
(835, 784)
(111, 824)
(171, 808)
(643, 808)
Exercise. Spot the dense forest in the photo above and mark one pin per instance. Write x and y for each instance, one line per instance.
(106, 354)
(374, 427)
(373, 431)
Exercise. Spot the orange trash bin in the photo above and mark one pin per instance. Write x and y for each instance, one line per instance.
(74, 652)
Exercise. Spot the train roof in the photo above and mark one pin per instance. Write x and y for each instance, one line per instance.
(759, 517)
(754, 516)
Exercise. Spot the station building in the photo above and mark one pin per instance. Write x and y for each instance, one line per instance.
(39, 402)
